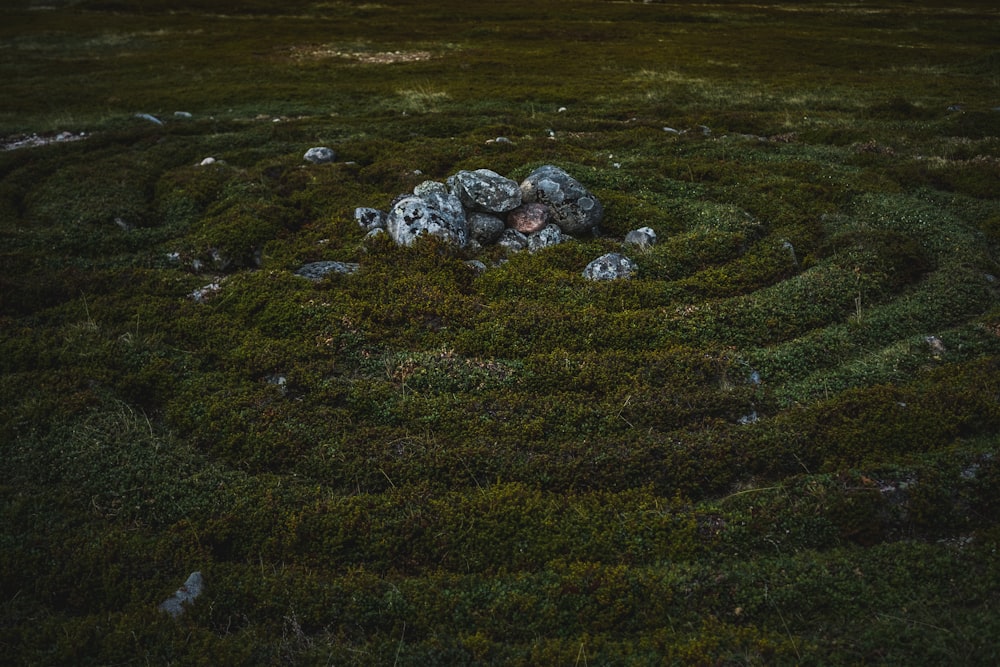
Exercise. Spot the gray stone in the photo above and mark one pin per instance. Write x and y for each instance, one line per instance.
(549, 235)
(414, 216)
(642, 237)
(449, 207)
(151, 118)
(370, 218)
(476, 265)
(320, 155)
(574, 209)
(613, 266)
(529, 218)
(485, 228)
(203, 294)
(485, 190)
(512, 240)
(430, 187)
(184, 595)
(315, 271)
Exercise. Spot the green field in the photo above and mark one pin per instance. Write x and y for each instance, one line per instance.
(777, 444)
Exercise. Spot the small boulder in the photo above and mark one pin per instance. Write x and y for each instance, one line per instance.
(184, 595)
(549, 235)
(529, 218)
(613, 266)
(315, 271)
(574, 209)
(642, 237)
(485, 228)
(413, 216)
(429, 187)
(512, 240)
(320, 155)
(369, 218)
(485, 190)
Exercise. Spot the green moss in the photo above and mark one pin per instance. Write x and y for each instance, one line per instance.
(775, 444)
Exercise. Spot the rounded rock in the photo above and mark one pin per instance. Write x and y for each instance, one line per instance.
(573, 208)
(612, 266)
(512, 240)
(485, 190)
(529, 218)
(319, 155)
(642, 237)
(485, 228)
(413, 216)
(549, 235)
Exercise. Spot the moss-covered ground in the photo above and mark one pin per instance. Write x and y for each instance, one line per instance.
(778, 444)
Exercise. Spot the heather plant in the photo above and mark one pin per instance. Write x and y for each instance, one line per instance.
(775, 444)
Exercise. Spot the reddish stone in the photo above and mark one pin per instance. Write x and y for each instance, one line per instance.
(528, 218)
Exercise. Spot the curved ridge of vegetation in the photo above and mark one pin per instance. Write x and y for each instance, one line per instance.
(776, 445)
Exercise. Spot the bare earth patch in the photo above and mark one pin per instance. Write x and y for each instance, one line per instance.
(35, 140)
(364, 57)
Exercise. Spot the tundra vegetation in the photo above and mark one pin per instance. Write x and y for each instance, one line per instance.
(776, 444)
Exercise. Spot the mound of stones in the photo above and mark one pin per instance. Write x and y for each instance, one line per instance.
(481, 207)
(474, 209)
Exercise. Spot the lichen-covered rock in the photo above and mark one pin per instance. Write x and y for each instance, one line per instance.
(512, 240)
(642, 237)
(315, 271)
(573, 208)
(485, 228)
(370, 218)
(184, 595)
(430, 187)
(612, 266)
(435, 215)
(549, 235)
(485, 190)
(320, 155)
(529, 218)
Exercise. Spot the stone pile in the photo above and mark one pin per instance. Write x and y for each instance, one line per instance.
(473, 209)
(481, 207)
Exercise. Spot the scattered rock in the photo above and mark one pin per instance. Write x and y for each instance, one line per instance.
(203, 294)
(573, 208)
(485, 190)
(370, 218)
(320, 155)
(936, 345)
(184, 595)
(612, 266)
(207, 161)
(151, 118)
(529, 218)
(787, 245)
(183, 114)
(315, 271)
(476, 265)
(642, 237)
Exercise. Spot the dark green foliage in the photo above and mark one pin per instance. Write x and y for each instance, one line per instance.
(777, 444)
